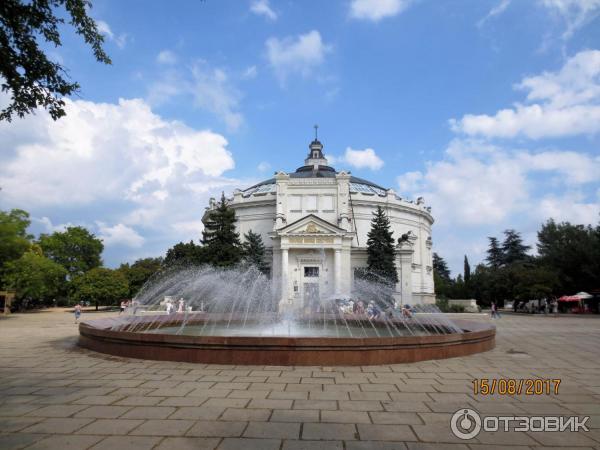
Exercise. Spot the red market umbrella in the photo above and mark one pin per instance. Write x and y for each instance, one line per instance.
(569, 298)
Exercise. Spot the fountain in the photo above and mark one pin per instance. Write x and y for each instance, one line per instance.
(232, 316)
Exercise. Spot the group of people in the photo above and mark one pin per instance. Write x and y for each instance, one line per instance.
(170, 306)
(371, 309)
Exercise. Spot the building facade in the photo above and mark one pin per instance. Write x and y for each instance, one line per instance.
(315, 221)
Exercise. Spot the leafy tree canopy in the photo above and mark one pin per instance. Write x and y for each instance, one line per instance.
(14, 240)
(35, 278)
(381, 247)
(76, 249)
(140, 272)
(574, 251)
(100, 285)
(185, 254)
(27, 73)
(221, 241)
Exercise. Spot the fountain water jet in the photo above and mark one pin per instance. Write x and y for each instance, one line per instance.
(231, 316)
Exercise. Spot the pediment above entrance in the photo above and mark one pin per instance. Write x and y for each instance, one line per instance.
(311, 225)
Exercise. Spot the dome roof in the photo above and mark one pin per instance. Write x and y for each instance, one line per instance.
(316, 166)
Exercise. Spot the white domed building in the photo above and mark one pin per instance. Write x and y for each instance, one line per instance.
(314, 223)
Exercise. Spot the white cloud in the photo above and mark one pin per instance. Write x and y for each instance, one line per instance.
(375, 10)
(262, 8)
(210, 88)
(562, 103)
(574, 13)
(250, 73)
(478, 184)
(263, 166)
(120, 40)
(495, 11)
(166, 57)
(120, 235)
(120, 164)
(296, 55)
(359, 159)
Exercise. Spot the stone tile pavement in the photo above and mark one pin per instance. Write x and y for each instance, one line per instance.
(54, 395)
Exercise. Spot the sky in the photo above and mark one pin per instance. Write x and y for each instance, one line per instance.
(489, 109)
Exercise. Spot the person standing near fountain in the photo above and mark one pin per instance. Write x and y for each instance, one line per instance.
(77, 312)
(181, 305)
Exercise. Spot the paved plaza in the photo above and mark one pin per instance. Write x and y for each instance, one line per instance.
(54, 395)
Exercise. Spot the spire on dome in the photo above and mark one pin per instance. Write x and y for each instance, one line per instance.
(315, 155)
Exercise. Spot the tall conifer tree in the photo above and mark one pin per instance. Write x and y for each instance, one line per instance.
(495, 255)
(380, 247)
(467, 270)
(253, 251)
(221, 241)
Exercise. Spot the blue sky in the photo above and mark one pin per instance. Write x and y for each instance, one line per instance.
(489, 109)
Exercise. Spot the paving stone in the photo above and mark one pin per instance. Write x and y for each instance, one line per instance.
(315, 404)
(345, 416)
(57, 426)
(273, 430)
(360, 405)
(270, 404)
(166, 427)
(149, 412)
(140, 401)
(18, 441)
(240, 414)
(295, 415)
(249, 444)
(103, 412)
(400, 418)
(385, 432)
(217, 429)
(312, 445)
(13, 424)
(110, 426)
(188, 443)
(127, 442)
(375, 445)
(329, 431)
(198, 413)
(65, 442)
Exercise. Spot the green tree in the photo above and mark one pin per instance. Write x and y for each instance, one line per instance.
(139, 273)
(35, 278)
(76, 249)
(495, 254)
(441, 267)
(513, 248)
(441, 277)
(466, 270)
(221, 241)
(28, 74)
(185, 254)
(573, 251)
(253, 251)
(14, 240)
(380, 248)
(100, 285)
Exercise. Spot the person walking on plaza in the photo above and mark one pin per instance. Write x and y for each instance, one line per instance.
(495, 314)
(77, 311)
(123, 305)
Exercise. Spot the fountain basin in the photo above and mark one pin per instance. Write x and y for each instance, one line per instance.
(147, 339)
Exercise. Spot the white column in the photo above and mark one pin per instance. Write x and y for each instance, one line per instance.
(284, 275)
(337, 264)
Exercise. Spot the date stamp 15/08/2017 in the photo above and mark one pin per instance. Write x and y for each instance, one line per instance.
(516, 386)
